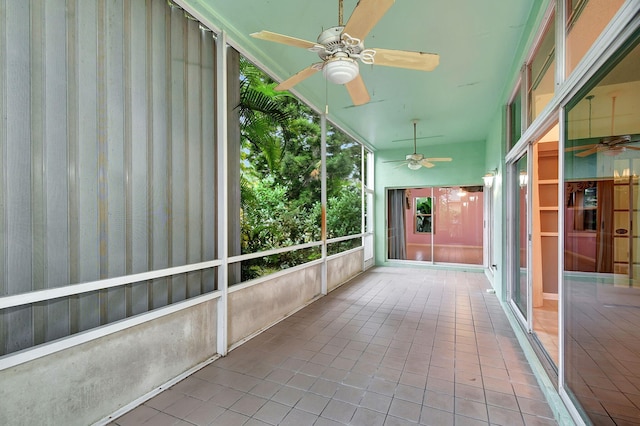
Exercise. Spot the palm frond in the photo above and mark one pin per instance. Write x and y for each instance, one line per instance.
(253, 100)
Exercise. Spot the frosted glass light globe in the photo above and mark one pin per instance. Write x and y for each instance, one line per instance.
(340, 70)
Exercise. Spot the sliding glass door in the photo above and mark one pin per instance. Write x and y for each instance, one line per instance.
(436, 224)
(520, 231)
(601, 278)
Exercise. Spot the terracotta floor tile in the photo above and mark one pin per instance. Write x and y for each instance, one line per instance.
(390, 348)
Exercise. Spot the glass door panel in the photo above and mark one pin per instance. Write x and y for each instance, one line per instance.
(457, 234)
(544, 243)
(601, 285)
(519, 293)
(436, 224)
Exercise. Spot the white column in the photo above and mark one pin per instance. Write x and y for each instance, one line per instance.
(223, 191)
(323, 197)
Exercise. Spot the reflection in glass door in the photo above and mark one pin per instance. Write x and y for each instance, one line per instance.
(601, 281)
(519, 286)
(543, 193)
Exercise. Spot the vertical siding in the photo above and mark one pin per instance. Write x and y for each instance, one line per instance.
(107, 159)
(116, 184)
(88, 260)
(3, 170)
(38, 100)
(137, 143)
(73, 245)
(177, 193)
(18, 186)
(208, 158)
(192, 153)
(56, 189)
(161, 107)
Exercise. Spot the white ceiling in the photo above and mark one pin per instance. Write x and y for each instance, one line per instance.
(476, 41)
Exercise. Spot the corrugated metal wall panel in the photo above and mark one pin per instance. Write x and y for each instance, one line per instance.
(107, 156)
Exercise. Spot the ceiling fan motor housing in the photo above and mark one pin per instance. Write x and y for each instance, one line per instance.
(332, 42)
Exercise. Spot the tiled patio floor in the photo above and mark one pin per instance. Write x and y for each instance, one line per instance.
(393, 347)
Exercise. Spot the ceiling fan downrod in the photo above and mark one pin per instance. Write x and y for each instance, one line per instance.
(415, 147)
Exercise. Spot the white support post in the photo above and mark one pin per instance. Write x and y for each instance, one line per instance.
(223, 191)
(561, 213)
(323, 197)
(363, 200)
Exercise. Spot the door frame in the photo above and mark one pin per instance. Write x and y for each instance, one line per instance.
(513, 269)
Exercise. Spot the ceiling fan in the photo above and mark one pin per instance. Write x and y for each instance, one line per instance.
(611, 145)
(341, 46)
(415, 161)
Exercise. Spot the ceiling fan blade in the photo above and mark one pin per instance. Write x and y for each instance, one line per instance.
(634, 148)
(420, 61)
(579, 147)
(297, 78)
(395, 161)
(403, 164)
(283, 39)
(438, 159)
(588, 152)
(358, 91)
(427, 163)
(365, 16)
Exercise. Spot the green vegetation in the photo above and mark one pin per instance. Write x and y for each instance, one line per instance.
(280, 180)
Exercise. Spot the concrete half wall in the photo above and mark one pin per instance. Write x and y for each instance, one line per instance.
(83, 384)
(256, 307)
(342, 268)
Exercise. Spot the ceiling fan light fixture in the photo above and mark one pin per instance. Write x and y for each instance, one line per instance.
(340, 69)
(489, 177)
(414, 165)
(523, 179)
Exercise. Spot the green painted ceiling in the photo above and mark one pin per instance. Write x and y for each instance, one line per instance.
(477, 42)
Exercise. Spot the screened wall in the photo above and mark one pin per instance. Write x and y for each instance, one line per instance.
(281, 180)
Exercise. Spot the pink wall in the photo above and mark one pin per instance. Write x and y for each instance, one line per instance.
(455, 222)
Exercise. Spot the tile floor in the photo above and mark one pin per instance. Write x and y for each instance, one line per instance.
(466, 255)
(396, 346)
(603, 350)
(545, 325)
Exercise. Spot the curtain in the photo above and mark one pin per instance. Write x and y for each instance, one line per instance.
(604, 231)
(396, 232)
